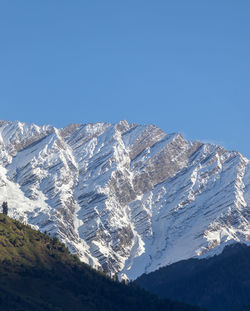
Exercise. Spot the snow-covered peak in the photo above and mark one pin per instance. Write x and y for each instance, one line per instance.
(125, 197)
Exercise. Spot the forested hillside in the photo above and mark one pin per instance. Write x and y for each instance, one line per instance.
(218, 283)
(37, 272)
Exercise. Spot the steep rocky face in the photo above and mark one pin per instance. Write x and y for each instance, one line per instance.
(126, 197)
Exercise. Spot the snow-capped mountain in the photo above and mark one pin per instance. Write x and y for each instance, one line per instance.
(125, 197)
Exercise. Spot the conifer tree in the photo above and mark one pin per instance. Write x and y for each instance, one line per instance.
(5, 208)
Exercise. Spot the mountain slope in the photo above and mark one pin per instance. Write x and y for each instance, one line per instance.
(38, 273)
(217, 283)
(126, 197)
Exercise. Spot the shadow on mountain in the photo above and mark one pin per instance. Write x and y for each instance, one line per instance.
(219, 283)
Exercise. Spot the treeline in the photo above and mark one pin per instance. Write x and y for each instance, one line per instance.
(37, 272)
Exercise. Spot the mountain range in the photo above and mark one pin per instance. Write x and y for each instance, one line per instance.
(126, 198)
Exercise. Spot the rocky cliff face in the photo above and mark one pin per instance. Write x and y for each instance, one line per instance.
(125, 197)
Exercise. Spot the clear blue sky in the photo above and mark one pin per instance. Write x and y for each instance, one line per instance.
(182, 65)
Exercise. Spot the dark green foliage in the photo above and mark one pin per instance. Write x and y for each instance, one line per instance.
(245, 308)
(5, 208)
(37, 272)
(218, 283)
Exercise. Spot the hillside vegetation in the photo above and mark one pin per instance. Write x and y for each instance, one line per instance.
(218, 283)
(37, 272)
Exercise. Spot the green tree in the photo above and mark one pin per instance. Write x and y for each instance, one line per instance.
(5, 208)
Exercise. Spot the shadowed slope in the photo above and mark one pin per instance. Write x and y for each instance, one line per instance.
(218, 283)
